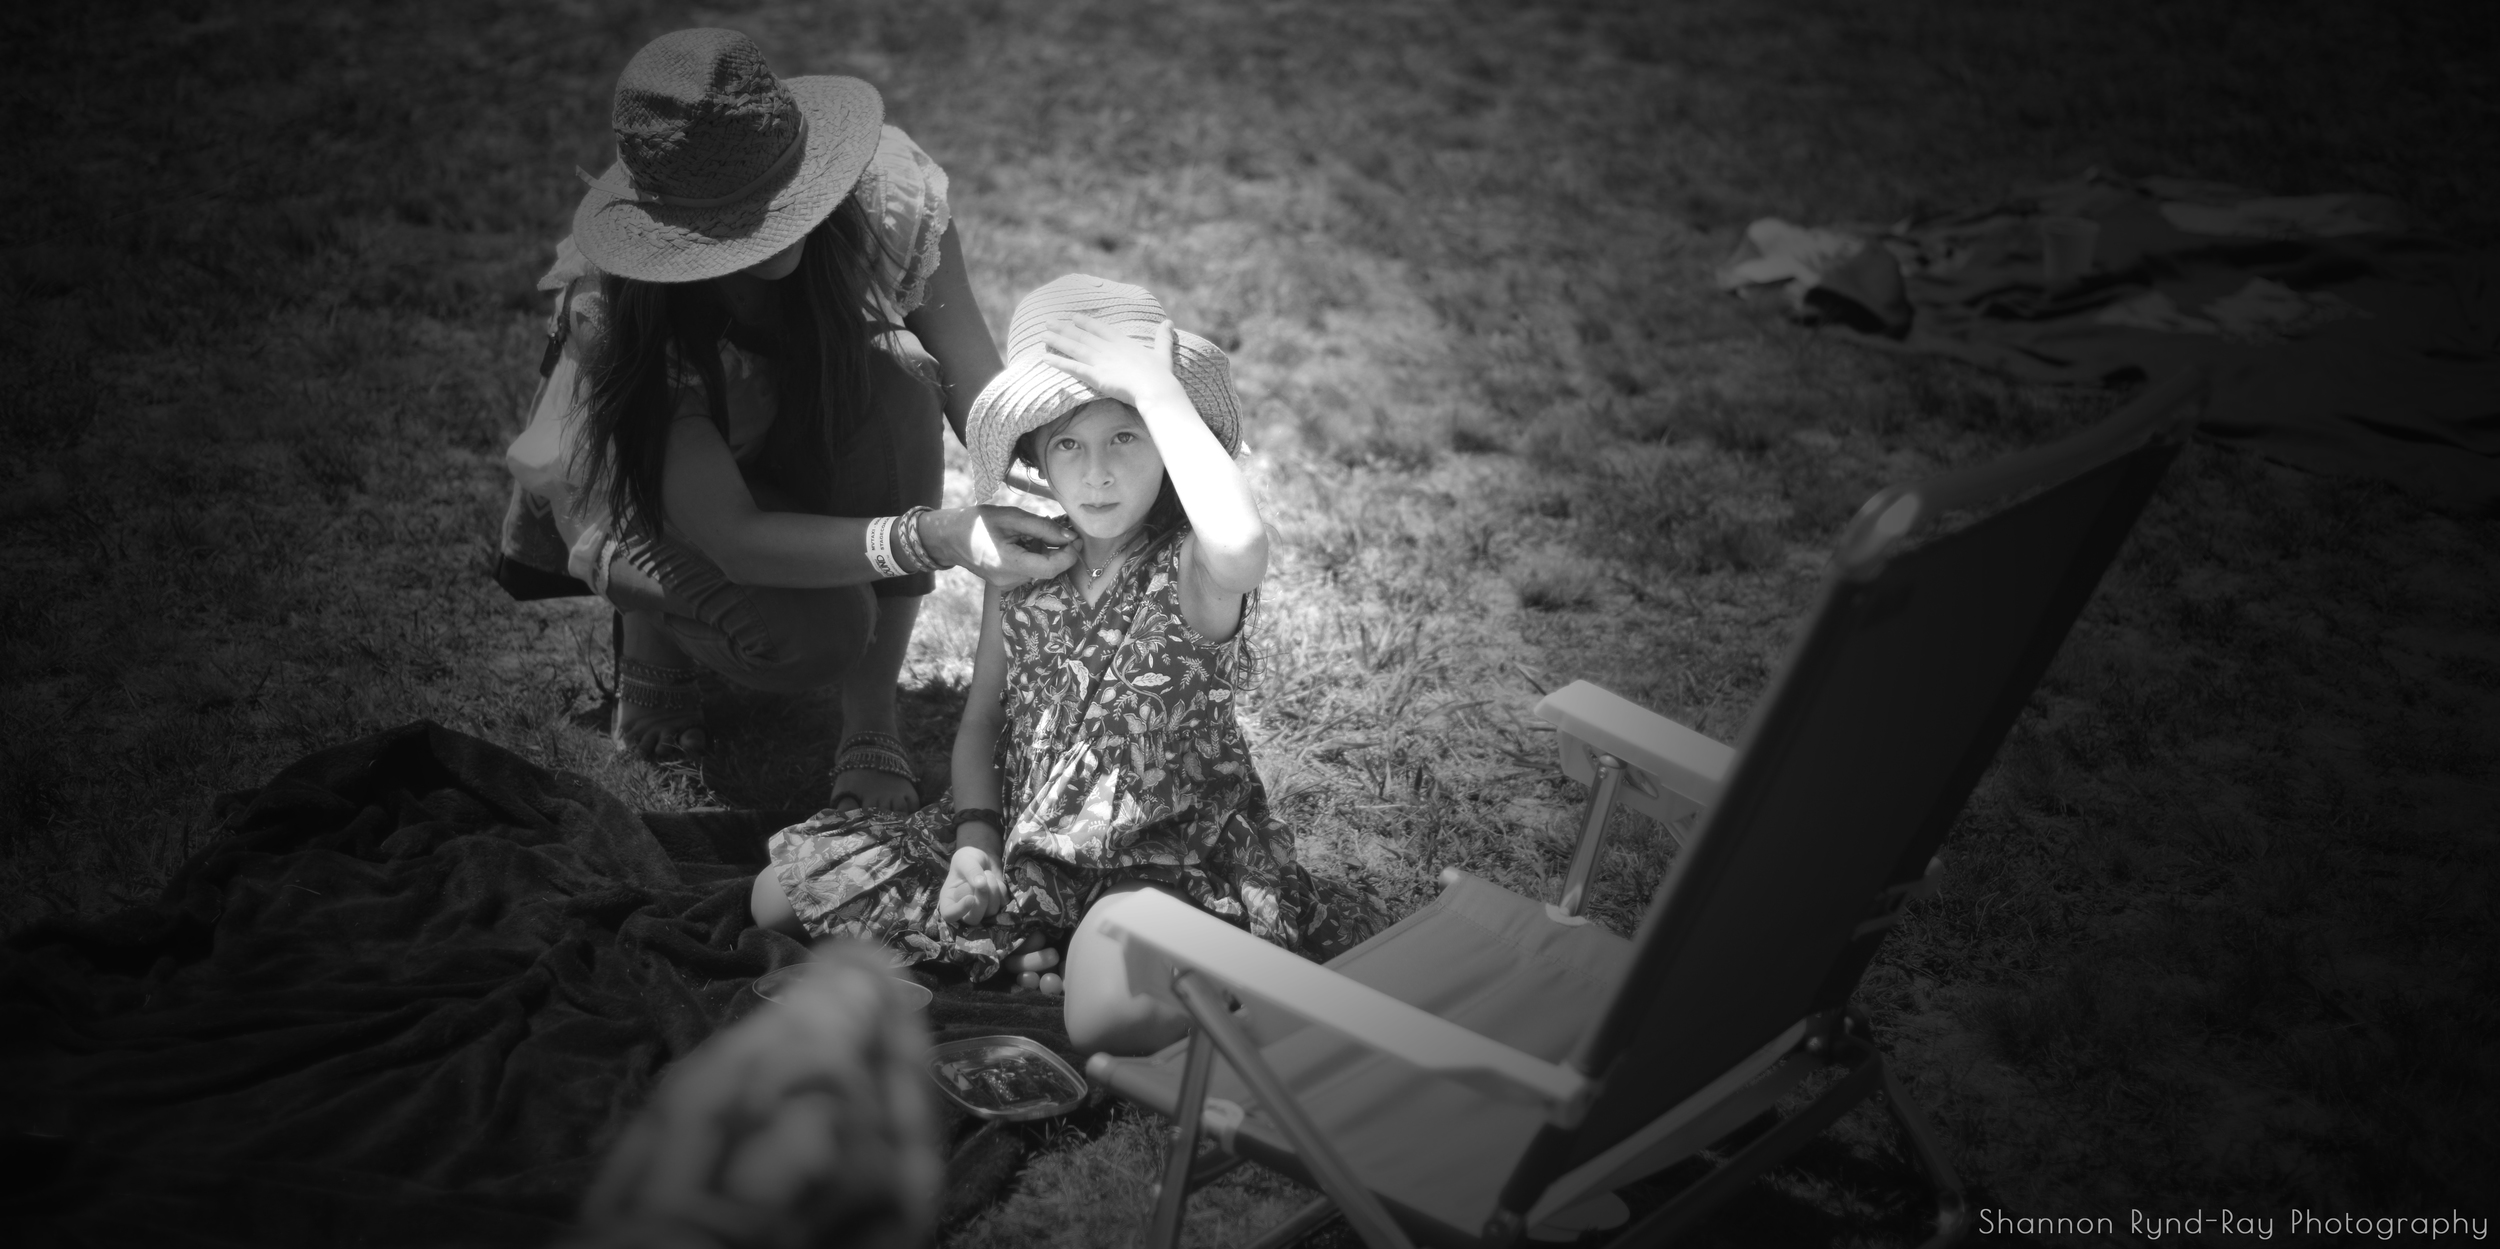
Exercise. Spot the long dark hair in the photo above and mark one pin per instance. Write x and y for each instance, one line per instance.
(822, 354)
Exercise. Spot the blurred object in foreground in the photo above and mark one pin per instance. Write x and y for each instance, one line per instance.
(807, 1123)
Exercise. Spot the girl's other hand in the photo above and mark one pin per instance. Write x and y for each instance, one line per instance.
(974, 888)
(1115, 365)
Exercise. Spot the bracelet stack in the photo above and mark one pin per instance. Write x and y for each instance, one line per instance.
(893, 545)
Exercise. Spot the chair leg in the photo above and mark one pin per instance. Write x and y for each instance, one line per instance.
(1952, 1208)
(1163, 1230)
(1215, 1022)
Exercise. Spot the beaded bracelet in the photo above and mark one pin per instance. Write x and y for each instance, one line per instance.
(880, 547)
(908, 525)
(968, 815)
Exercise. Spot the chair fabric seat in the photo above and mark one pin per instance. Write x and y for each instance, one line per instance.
(1437, 1152)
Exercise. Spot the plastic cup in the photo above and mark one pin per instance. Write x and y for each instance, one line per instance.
(2066, 245)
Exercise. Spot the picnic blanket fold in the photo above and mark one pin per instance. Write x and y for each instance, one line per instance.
(2344, 336)
(407, 996)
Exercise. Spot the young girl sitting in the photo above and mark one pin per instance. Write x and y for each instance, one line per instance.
(1098, 752)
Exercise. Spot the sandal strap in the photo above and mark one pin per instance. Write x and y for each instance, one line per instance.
(875, 761)
(658, 687)
(872, 739)
(657, 674)
(874, 752)
(654, 697)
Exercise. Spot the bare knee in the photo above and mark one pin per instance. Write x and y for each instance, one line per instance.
(771, 904)
(797, 640)
(1106, 1012)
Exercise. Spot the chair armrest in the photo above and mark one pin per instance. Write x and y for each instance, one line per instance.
(1673, 770)
(1158, 930)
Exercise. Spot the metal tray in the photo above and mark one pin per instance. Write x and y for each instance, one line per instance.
(1030, 1082)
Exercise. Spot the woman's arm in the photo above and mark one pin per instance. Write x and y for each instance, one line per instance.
(708, 503)
(949, 324)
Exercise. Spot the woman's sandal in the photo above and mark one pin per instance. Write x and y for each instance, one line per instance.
(657, 687)
(871, 751)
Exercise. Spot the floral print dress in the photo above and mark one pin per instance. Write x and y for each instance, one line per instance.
(1120, 759)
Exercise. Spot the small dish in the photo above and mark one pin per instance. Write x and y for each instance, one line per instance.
(1006, 1077)
(772, 984)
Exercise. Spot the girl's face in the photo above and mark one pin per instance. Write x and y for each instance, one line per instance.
(1103, 465)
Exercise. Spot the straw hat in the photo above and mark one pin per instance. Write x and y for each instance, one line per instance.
(719, 164)
(1029, 394)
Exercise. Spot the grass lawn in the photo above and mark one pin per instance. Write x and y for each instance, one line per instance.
(2218, 929)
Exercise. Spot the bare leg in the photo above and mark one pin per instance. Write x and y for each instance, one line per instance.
(1104, 1011)
(868, 707)
(772, 906)
(648, 731)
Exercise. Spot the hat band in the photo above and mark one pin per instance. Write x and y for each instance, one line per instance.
(781, 165)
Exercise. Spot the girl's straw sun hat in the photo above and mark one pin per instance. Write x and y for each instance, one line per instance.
(720, 165)
(1029, 394)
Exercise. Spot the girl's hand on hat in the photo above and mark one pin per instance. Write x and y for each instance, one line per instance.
(974, 888)
(1115, 365)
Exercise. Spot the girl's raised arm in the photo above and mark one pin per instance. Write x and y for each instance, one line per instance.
(1229, 542)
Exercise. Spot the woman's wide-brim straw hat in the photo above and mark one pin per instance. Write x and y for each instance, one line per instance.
(720, 165)
(1030, 393)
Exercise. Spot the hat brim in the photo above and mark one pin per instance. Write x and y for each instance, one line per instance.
(656, 243)
(1031, 393)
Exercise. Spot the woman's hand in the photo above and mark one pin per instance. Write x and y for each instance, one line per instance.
(974, 888)
(1117, 367)
(1001, 545)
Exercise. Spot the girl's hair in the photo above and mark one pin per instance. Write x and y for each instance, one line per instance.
(822, 353)
(1163, 519)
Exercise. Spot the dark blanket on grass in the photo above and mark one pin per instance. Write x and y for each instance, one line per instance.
(2343, 335)
(407, 998)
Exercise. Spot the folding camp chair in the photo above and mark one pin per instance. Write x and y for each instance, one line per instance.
(1493, 1067)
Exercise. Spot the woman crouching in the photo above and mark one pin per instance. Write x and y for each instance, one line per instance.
(766, 306)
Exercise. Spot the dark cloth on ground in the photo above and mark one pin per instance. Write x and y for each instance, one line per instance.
(2343, 336)
(409, 996)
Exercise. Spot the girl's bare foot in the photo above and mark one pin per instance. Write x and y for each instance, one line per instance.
(659, 704)
(1035, 966)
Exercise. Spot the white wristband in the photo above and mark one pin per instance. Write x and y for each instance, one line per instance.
(881, 548)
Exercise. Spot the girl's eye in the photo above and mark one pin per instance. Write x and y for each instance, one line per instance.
(1065, 444)
(1125, 436)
